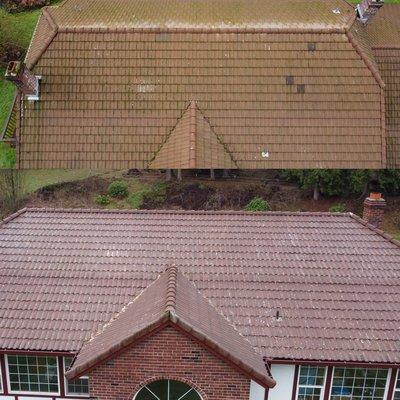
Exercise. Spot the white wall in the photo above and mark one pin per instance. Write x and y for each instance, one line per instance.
(284, 376)
(257, 392)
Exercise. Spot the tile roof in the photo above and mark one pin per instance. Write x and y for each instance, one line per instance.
(300, 83)
(384, 36)
(192, 144)
(173, 300)
(203, 14)
(334, 280)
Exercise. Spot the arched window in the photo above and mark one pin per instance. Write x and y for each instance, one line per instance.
(167, 390)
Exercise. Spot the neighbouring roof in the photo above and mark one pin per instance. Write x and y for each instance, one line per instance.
(334, 280)
(384, 33)
(283, 84)
(172, 299)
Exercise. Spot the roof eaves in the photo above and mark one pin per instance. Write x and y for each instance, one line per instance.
(158, 323)
(263, 380)
(374, 229)
(54, 30)
(374, 70)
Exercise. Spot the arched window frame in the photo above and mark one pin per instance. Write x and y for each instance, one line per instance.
(168, 380)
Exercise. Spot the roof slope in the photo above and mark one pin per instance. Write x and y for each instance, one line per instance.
(335, 281)
(384, 34)
(204, 14)
(174, 300)
(192, 143)
(287, 79)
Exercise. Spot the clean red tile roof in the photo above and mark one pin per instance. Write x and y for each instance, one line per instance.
(172, 299)
(334, 280)
(289, 79)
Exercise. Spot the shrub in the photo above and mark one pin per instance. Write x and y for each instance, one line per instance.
(338, 208)
(257, 204)
(118, 189)
(102, 200)
(136, 200)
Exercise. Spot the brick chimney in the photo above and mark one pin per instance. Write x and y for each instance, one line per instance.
(374, 209)
(367, 9)
(23, 78)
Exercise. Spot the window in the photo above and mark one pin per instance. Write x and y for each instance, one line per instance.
(1, 378)
(397, 387)
(167, 389)
(77, 387)
(32, 374)
(358, 384)
(311, 382)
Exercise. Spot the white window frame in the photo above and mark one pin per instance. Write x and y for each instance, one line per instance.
(397, 378)
(321, 396)
(27, 392)
(66, 383)
(385, 394)
(2, 384)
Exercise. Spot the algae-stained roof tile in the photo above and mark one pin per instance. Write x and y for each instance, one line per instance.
(384, 28)
(192, 143)
(310, 14)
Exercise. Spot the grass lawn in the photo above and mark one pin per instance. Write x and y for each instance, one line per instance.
(7, 90)
(35, 179)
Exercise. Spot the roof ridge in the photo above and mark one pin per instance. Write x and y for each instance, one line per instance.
(13, 216)
(374, 70)
(380, 232)
(193, 133)
(54, 27)
(167, 211)
(170, 303)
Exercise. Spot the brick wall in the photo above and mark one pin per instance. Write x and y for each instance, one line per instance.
(168, 354)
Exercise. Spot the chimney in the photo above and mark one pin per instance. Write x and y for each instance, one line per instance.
(23, 78)
(374, 209)
(367, 9)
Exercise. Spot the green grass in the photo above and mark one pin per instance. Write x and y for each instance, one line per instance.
(17, 28)
(7, 91)
(36, 179)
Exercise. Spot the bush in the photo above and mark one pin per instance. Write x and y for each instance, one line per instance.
(135, 200)
(118, 189)
(338, 208)
(258, 204)
(149, 196)
(102, 200)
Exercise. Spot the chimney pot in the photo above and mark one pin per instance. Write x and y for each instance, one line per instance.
(374, 209)
(18, 73)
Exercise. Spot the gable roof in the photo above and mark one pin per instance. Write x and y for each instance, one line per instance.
(192, 143)
(172, 299)
(384, 36)
(334, 280)
(288, 79)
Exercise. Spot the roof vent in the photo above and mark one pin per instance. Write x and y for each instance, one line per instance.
(28, 83)
(290, 80)
(301, 89)
(278, 316)
(311, 47)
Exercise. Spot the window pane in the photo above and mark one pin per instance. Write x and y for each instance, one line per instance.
(358, 384)
(33, 374)
(78, 386)
(311, 382)
(167, 389)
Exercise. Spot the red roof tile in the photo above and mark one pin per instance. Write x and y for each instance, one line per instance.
(175, 301)
(334, 280)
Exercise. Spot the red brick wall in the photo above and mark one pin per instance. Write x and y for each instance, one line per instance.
(168, 354)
